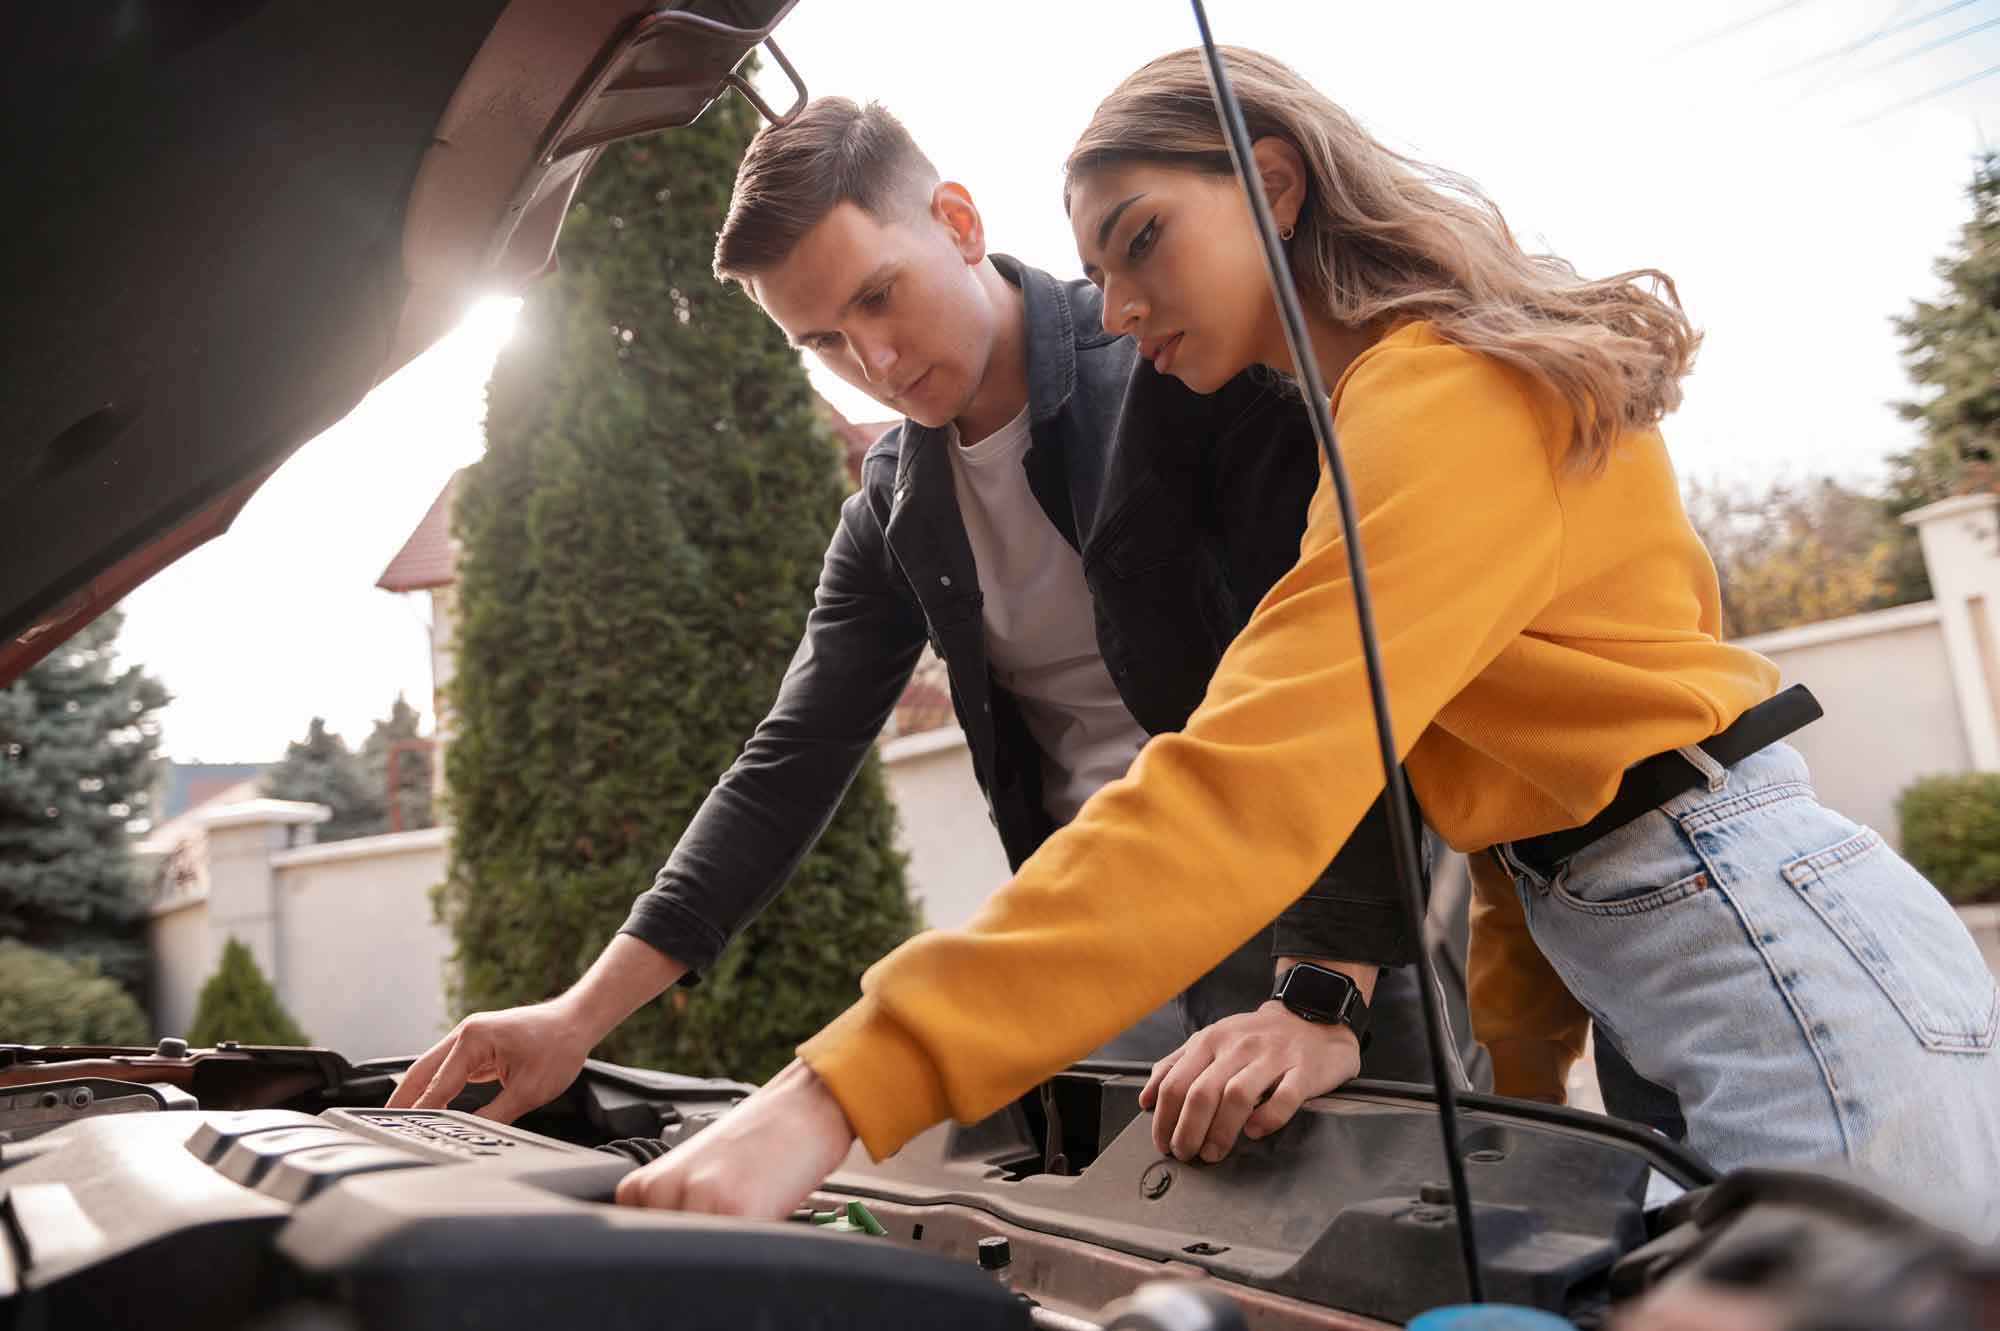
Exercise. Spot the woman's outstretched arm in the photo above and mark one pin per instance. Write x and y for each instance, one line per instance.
(1215, 829)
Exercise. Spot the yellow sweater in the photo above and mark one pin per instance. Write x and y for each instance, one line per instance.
(1540, 631)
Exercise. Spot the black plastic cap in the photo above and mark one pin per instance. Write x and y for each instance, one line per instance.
(995, 1253)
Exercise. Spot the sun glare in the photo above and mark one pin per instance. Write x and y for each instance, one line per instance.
(490, 321)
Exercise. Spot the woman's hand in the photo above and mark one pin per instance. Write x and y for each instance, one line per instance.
(1247, 1074)
(759, 1161)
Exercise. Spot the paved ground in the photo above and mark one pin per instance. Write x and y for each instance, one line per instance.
(1984, 921)
(1583, 1082)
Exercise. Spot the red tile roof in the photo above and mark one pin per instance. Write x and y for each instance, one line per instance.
(430, 557)
(926, 701)
(855, 439)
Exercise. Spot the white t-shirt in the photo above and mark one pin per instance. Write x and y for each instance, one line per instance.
(1041, 634)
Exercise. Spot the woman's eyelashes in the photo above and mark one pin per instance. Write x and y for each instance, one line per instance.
(1143, 239)
(877, 300)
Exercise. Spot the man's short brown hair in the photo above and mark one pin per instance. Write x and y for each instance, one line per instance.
(794, 174)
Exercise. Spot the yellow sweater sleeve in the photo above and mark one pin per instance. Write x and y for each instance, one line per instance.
(1215, 829)
(1521, 1010)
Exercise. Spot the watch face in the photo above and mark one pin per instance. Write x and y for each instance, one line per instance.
(1318, 994)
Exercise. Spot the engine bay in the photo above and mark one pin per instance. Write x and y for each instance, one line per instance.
(269, 1188)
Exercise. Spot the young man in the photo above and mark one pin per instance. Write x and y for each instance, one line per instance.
(1078, 538)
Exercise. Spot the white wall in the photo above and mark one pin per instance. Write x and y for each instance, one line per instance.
(362, 960)
(955, 855)
(343, 932)
(1892, 713)
(184, 955)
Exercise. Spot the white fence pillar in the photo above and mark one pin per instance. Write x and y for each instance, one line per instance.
(242, 898)
(1961, 543)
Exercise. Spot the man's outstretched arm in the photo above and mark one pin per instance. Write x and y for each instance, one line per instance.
(862, 640)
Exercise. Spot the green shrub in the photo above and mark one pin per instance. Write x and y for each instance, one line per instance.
(239, 1004)
(46, 998)
(1951, 833)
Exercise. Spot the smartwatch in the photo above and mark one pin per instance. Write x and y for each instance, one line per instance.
(1324, 996)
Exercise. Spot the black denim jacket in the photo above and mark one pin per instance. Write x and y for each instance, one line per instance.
(1185, 508)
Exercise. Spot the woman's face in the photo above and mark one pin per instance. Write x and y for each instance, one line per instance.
(1175, 253)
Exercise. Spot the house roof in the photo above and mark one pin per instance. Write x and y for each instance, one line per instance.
(926, 701)
(855, 438)
(185, 785)
(429, 558)
(185, 823)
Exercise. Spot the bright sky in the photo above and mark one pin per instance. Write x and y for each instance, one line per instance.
(1751, 148)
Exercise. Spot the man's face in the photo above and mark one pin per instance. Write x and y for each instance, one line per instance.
(892, 306)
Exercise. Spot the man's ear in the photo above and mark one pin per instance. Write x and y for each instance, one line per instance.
(952, 206)
(1283, 172)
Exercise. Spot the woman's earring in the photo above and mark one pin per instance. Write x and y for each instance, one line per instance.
(1284, 233)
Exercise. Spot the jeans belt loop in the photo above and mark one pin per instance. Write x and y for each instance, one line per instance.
(1714, 772)
(1518, 868)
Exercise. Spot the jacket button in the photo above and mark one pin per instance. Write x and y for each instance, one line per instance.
(945, 580)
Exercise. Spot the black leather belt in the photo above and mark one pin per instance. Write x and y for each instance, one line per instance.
(1653, 781)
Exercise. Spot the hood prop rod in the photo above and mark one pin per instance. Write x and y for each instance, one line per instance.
(1402, 830)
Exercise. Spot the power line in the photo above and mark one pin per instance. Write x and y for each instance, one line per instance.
(1929, 46)
(1873, 37)
(1731, 29)
(1899, 58)
(1902, 8)
(1939, 91)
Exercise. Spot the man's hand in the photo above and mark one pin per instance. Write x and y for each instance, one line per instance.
(1245, 1074)
(534, 1053)
(759, 1161)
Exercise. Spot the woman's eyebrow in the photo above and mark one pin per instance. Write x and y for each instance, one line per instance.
(1111, 218)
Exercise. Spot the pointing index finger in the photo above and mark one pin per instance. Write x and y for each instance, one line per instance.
(450, 1078)
(418, 1076)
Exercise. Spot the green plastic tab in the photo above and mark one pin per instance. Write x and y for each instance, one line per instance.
(860, 1216)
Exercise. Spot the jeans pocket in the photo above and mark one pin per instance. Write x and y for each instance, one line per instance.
(1622, 872)
(1906, 935)
(1594, 897)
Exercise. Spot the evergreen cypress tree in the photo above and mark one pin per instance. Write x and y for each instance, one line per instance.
(1951, 347)
(320, 770)
(78, 754)
(412, 789)
(237, 1003)
(639, 548)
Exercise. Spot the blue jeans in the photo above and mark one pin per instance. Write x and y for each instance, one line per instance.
(1802, 992)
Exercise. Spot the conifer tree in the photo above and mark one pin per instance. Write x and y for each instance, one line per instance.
(1951, 348)
(639, 548)
(320, 769)
(237, 1003)
(412, 785)
(79, 741)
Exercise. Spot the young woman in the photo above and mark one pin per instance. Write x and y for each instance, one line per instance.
(1549, 628)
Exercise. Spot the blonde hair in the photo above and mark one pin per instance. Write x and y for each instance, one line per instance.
(1383, 240)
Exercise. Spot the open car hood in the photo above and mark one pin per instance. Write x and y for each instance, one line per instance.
(234, 217)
